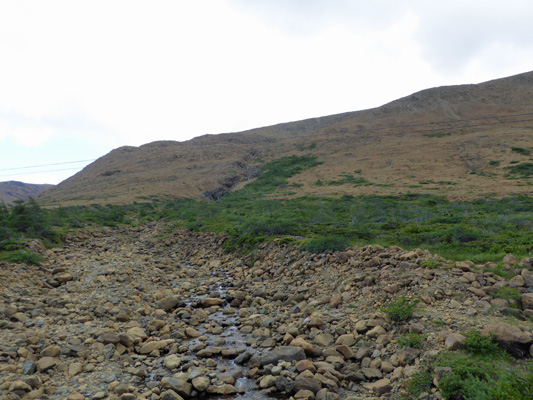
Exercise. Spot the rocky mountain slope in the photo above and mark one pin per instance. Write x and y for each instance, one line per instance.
(148, 313)
(462, 141)
(13, 190)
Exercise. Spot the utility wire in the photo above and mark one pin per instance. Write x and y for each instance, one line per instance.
(359, 131)
(46, 165)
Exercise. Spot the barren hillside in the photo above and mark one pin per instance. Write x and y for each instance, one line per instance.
(461, 141)
(13, 190)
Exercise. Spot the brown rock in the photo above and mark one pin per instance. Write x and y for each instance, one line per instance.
(528, 278)
(324, 339)
(527, 301)
(510, 337)
(305, 365)
(336, 300)
(50, 351)
(168, 303)
(382, 386)
(211, 301)
(45, 364)
(517, 281)
(19, 385)
(455, 341)
(222, 389)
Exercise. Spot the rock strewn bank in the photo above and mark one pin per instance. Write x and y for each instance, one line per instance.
(140, 313)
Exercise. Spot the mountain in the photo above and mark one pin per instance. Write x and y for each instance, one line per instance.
(13, 190)
(462, 141)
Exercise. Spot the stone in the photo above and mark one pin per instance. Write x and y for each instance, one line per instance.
(282, 353)
(407, 356)
(168, 303)
(336, 300)
(20, 385)
(75, 368)
(371, 373)
(324, 339)
(510, 337)
(306, 346)
(517, 281)
(50, 351)
(455, 341)
(172, 361)
(225, 389)
(376, 331)
(178, 385)
(137, 332)
(155, 345)
(305, 365)
(267, 381)
(311, 384)
(382, 386)
(527, 301)
(170, 395)
(346, 352)
(126, 339)
(76, 396)
(192, 333)
(201, 383)
(304, 395)
(211, 301)
(528, 278)
(45, 364)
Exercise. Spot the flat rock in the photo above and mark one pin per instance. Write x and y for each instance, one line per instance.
(282, 353)
(45, 364)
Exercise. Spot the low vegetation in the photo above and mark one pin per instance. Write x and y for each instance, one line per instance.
(482, 230)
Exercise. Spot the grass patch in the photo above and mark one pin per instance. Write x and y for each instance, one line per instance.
(414, 340)
(524, 170)
(437, 135)
(500, 270)
(349, 180)
(400, 310)
(508, 293)
(476, 343)
(24, 257)
(520, 150)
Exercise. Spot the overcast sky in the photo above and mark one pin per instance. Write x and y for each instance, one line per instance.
(80, 78)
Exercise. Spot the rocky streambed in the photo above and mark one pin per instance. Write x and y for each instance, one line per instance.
(147, 313)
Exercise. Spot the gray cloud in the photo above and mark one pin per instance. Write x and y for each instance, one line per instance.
(450, 33)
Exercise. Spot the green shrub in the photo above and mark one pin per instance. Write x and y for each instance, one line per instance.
(515, 386)
(476, 343)
(508, 293)
(419, 382)
(431, 264)
(414, 340)
(520, 150)
(500, 270)
(470, 377)
(524, 169)
(400, 310)
(25, 257)
(324, 244)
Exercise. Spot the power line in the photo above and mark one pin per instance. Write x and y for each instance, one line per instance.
(42, 172)
(359, 131)
(46, 165)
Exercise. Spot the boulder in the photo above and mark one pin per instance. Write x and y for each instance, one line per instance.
(510, 337)
(282, 353)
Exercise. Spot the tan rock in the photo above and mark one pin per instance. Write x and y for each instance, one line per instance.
(455, 341)
(45, 364)
(382, 386)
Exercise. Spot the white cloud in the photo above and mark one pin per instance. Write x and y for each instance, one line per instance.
(131, 72)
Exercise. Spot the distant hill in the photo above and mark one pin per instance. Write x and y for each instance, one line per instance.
(13, 190)
(462, 141)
